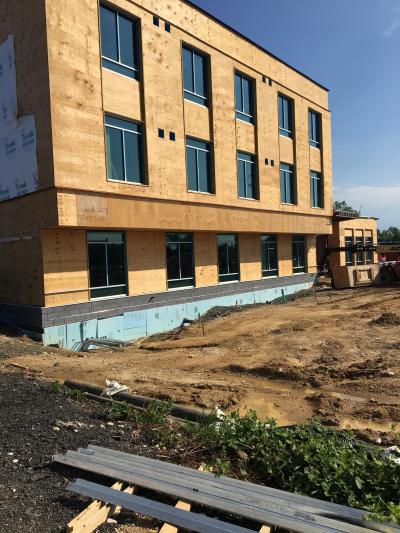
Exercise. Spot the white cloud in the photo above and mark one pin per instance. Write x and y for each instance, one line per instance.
(382, 202)
(392, 28)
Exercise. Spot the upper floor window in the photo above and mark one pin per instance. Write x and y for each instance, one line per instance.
(314, 126)
(244, 98)
(228, 257)
(317, 190)
(288, 187)
(285, 116)
(299, 254)
(119, 42)
(360, 252)
(369, 253)
(269, 255)
(107, 263)
(199, 166)
(195, 76)
(348, 241)
(180, 269)
(124, 150)
(247, 176)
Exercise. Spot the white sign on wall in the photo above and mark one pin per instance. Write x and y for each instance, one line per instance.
(18, 159)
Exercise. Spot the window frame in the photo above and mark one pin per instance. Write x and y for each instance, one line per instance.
(296, 241)
(315, 137)
(125, 130)
(369, 254)
(317, 180)
(269, 238)
(254, 166)
(291, 171)
(240, 114)
(233, 276)
(210, 164)
(349, 241)
(92, 289)
(174, 284)
(286, 121)
(360, 255)
(202, 100)
(118, 66)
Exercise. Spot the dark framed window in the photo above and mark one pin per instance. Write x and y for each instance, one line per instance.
(288, 185)
(199, 166)
(285, 108)
(119, 42)
(195, 76)
(247, 176)
(244, 98)
(368, 253)
(107, 264)
(299, 254)
(228, 257)
(360, 253)
(314, 127)
(317, 189)
(348, 241)
(180, 271)
(269, 255)
(124, 147)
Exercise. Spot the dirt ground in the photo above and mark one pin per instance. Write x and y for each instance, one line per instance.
(335, 355)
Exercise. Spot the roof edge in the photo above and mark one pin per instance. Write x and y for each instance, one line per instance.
(230, 28)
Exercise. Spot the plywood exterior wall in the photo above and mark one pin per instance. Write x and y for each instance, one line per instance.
(205, 259)
(359, 227)
(250, 256)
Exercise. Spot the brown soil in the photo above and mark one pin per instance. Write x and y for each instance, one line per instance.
(327, 356)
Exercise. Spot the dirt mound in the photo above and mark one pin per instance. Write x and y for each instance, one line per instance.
(302, 325)
(387, 319)
(271, 371)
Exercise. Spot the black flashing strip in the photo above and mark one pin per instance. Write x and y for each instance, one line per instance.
(225, 25)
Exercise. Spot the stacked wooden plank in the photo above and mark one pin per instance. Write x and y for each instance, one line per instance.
(256, 503)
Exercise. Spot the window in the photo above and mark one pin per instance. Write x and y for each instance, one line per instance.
(317, 190)
(285, 116)
(299, 254)
(244, 98)
(288, 189)
(179, 260)
(360, 253)
(195, 76)
(199, 167)
(107, 270)
(124, 150)
(348, 241)
(368, 253)
(119, 43)
(228, 260)
(314, 126)
(247, 176)
(269, 255)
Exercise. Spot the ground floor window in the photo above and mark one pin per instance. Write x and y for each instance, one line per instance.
(299, 254)
(348, 241)
(360, 253)
(180, 271)
(107, 265)
(228, 257)
(269, 255)
(368, 253)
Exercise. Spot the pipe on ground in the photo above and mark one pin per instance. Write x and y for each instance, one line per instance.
(179, 411)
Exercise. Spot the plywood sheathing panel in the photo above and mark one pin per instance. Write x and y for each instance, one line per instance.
(205, 259)
(250, 256)
(359, 227)
(311, 250)
(197, 121)
(285, 255)
(245, 137)
(121, 96)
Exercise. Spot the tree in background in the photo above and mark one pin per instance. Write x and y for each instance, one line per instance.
(343, 206)
(390, 234)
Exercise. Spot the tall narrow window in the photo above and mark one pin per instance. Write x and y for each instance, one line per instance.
(228, 258)
(199, 166)
(348, 241)
(180, 271)
(107, 270)
(360, 253)
(317, 190)
(244, 98)
(247, 176)
(285, 106)
(288, 188)
(314, 126)
(269, 255)
(119, 42)
(299, 254)
(369, 253)
(124, 150)
(195, 76)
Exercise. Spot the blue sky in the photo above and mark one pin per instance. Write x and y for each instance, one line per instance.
(353, 48)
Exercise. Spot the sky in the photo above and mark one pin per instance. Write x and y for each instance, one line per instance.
(353, 48)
